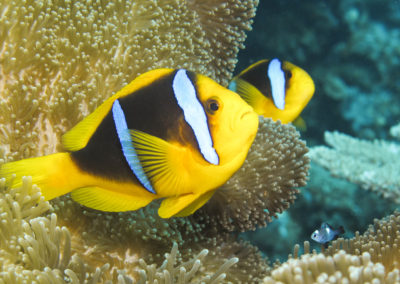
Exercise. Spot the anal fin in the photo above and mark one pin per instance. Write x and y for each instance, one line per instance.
(110, 201)
(184, 205)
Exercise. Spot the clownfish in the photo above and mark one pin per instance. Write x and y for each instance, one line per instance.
(276, 89)
(169, 134)
(326, 233)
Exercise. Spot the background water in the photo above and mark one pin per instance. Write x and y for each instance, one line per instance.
(351, 48)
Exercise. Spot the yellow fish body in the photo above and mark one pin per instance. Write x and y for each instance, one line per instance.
(169, 134)
(275, 89)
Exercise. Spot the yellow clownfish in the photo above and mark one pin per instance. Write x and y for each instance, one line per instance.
(169, 134)
(274, 88)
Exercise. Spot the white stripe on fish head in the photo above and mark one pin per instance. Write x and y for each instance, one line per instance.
(278, 83)
(194, 114)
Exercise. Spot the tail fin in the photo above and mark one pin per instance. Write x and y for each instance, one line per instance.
(51, 173)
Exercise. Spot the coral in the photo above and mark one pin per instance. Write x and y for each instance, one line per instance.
(120, 239)
(185, 273)
(395, 131)
(372, 164)
(371, 257)
(381, 241)
(60, 59)
(35, 248)
(339, 268)
(249, 271)
(31, 247)
(265, 185)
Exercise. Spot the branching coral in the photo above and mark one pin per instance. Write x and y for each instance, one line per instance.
(265, 185)
(60, 59)
(395, 131)
(374, 165)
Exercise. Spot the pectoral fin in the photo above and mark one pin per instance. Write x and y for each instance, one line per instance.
(300, 124)
(184, 205)
(161, 162)
(248, 92)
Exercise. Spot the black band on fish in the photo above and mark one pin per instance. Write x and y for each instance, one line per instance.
(194, 114)
(127, 147)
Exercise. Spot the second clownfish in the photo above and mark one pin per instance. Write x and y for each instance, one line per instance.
(276, 89)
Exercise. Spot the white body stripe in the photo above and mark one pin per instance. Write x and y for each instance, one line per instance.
(127, 147)
(232, 86)
(277, 79)
(194, 114)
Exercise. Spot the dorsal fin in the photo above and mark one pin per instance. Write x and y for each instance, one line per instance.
(325, 225)
(78, 137)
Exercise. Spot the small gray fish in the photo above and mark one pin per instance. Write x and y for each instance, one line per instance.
(326, 233)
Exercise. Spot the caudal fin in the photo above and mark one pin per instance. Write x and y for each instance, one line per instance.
(51, 173)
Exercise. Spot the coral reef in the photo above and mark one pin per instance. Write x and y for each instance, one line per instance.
(373, 257)
(86, 244)
(349, 47)
(395, 131)
(339, 268)
(61, 59)
(185, 273)
(114, 236)
(381, 240)
(372, 164)
(34, 248)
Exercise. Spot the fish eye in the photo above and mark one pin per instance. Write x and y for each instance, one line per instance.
(212, 106)
(288, 75)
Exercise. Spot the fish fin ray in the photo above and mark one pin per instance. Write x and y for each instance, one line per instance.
(248, 92)
(50, 173)
(184, 205)
(325, 225)
(300, 124)
(107, 200)
(160, 162)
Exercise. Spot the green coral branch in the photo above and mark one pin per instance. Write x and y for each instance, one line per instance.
(374, 165)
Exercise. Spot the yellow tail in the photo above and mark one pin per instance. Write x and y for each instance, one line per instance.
(55, 174)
